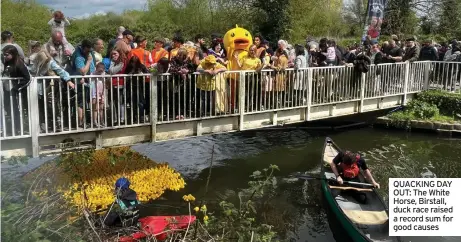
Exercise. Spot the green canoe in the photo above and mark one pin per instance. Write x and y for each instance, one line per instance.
(349, 219)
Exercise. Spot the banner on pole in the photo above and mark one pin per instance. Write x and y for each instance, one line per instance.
(374, 19)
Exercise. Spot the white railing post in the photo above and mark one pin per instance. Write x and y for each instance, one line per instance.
(241, 99)
(34, 120)
(363, 79)
(310, 74)
(153, 107)
(427, 69)
(405, 84)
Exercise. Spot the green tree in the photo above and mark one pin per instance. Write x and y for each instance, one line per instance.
(450, 19)
(27, 20)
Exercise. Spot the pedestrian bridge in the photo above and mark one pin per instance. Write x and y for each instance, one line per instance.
(50, 117)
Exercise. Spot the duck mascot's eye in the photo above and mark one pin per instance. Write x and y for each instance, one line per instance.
(233, 35)
(246, 34)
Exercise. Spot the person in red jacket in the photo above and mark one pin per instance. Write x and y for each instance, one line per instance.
(346, 166)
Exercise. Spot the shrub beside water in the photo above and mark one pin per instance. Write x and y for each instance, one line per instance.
(433, 105)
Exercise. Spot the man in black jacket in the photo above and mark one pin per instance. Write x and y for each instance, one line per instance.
(428, 52)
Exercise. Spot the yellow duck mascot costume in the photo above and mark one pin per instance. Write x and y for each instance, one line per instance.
(236, 41)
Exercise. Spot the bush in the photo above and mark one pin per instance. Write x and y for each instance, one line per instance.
(448, 103)
(422, 110)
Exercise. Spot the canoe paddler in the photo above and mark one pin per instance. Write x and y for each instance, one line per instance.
(346, 166)
(127, 202)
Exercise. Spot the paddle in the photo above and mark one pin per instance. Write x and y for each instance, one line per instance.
(307, 177)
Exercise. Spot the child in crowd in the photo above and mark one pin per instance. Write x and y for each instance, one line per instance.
(331, 54)
(59, 23)
(97, 95)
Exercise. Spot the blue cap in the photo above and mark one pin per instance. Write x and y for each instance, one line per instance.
(122, 183)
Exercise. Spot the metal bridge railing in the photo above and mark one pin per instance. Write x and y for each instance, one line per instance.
(49, 106)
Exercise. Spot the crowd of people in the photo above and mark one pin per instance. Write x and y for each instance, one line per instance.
(127, 54)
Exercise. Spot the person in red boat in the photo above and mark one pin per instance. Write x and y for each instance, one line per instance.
(125, 212)
(346, 166)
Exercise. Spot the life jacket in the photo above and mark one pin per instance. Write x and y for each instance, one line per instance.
(352, 170)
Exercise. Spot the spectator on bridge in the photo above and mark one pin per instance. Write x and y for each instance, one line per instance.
(428, 52)
(159, 52)
(45, 65)
(83, 64)
(97, 95)
(453, 53)
(98, 46)
(58, 50)
(58, 24)
(310, 41)
(123, 46)
(15, 90)
(412, 51)
(442, 50)
(350, 55)
(300, 84)
(117, 94)
(178, 42)
(137, 88)
(395, 53)
(261, 51)
(217, 51)
(212, 95)
(396, 40)
(140, 51)
(112, 42)
(8, 39)
(34, 48)
(201, 48)
(180, 67)
(332, 58)
(279, 66)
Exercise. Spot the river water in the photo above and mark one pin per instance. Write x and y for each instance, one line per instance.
(237, 155)
(302, 217)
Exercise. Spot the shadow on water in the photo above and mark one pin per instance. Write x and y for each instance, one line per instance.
(237, 155)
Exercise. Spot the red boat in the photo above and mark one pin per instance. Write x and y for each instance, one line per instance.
(159, 226)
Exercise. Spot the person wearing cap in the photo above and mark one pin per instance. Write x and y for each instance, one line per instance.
(212, 86)
(123, 45)
(412, 51)
(127, 211)
(159, 52)
(111, 44)
(8, 39)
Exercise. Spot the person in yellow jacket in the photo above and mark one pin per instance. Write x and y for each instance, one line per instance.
(212, 97)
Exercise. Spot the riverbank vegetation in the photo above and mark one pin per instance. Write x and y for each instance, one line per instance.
(432, 105)
(280, 19)
(52, 202)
